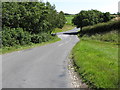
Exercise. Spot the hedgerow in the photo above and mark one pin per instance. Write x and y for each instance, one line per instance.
(101, 28)
(29, 22)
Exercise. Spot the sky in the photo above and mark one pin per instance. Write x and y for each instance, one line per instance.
(75, 6)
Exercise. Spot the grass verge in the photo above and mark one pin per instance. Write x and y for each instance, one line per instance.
(111, 36)
(65, 28)
(96, 56)
(18, 48)
(97, 63)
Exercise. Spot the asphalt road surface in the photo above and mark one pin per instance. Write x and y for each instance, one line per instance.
(40, 67)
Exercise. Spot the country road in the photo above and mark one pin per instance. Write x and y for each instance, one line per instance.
(40, 67)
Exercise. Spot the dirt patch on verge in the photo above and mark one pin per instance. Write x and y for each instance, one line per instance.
(76, 81)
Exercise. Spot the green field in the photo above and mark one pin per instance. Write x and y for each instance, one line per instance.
(69, 19)
(65, 28)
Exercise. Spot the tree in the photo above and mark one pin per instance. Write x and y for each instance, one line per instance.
(82, 19)
(29, 22)
(90, 17)
(34, 17)
(107, 16)
(61, 20)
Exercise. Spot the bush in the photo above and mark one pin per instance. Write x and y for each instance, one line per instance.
(15, 36)
(38, 38)
(101, 28)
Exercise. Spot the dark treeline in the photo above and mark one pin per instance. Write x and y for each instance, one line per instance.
(29, 22)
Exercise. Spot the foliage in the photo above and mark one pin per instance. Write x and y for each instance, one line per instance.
(111, 36)
(101, 28)
(19, 47)
(97, 61)
(15, 36)
(62, 20)
(39, 38)
(29, 22)
(90, 17)
(31, 16)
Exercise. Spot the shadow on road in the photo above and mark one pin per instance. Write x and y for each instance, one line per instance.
(71, 33)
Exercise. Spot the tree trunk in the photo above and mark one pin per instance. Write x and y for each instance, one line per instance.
(80, 29)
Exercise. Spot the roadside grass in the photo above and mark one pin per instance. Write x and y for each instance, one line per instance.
(69, 19)
(111, 36)
(96, 55)
(97, 63)
(5, 50)
(65, 28)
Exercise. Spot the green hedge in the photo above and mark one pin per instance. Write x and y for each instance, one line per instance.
(101, 28)
(17, 36)
(43, 37)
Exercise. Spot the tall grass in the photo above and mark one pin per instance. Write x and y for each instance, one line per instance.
(111, 36)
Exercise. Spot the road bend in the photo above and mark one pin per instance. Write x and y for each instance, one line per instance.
(39, 67)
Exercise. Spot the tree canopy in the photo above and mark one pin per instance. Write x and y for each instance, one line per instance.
(90, 17)
(31, 16)
(32, 19)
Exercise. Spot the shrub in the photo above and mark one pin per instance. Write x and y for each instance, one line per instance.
(101, 28)
(15, 36)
